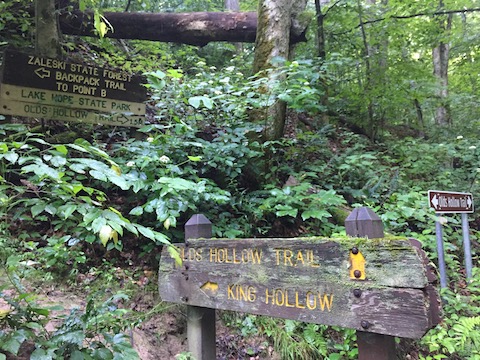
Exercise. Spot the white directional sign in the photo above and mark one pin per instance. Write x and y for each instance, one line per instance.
(450, 202)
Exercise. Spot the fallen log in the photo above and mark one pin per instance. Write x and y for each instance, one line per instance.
(198, 28)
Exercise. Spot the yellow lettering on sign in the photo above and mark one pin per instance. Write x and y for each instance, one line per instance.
(233, 256)
(288, 257)
(312, 300)
(241, 293)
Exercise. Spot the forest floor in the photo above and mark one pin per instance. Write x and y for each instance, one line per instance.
(161, 335)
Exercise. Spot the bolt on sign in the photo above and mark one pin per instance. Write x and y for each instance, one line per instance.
(450, 202)
(59, 90)
(376, 286)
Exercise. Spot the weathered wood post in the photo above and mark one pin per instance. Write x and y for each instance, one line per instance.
(201, 332)
(363, 222)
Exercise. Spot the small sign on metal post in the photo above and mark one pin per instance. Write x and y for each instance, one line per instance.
(450, 202)
(445, 202)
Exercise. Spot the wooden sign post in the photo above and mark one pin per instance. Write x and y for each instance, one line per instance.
(376, 286)
(201, 328)
(363, 222)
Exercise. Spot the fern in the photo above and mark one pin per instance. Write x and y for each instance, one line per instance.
(467, 335)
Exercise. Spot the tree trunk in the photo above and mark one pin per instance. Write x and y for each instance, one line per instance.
(375, 69)
(233, 5)
(275, 19)
(187, 28)
(440, 56)
(320, 30)
(46, 33)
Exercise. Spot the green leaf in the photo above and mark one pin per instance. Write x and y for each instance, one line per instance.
(99, 175)
(11, 157)
(174, 254)
(62, 149)
(14, 341)
(105, 234)
(136, 211)
(40, 354)
(3, 356)
(148, 233)
(316, 214)
(195, 158)
(178, 183)
(195, 101)
(77, 355)
(40, 311)
(71, 337)
(334, 357)
(98, 223)
(285, 210)
(58, 161)
(120, 181)
(37, 209)
(67, 210)
(102, 354)
(42, 170)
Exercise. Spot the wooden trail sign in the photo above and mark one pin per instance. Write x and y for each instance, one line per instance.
(376, 286)
(59, 90)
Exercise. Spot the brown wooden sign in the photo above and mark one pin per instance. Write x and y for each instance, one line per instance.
(58, 90)
(450, 202)
(376, 286)
(73, 78)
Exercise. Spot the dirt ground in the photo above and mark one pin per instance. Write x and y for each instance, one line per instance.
(161, 337)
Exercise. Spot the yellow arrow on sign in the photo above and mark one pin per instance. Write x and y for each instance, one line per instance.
(210, 288)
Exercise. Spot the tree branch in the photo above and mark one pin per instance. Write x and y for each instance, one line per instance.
(402, 17)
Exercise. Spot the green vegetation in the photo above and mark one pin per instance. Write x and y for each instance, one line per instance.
(77, 200)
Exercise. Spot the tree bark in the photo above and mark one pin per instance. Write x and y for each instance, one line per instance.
(188, 28)
(233, 5)
(320, 30)
(440, 56)
(375, 69)
(275, 19)
(46, 33)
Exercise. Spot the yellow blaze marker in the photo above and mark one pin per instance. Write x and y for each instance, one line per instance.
(210, 287)
(357, 266)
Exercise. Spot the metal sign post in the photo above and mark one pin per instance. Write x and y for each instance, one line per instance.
(444, 202)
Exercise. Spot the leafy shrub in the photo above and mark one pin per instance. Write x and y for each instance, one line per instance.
(96, 333)
(63, 187)
(458, 334)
